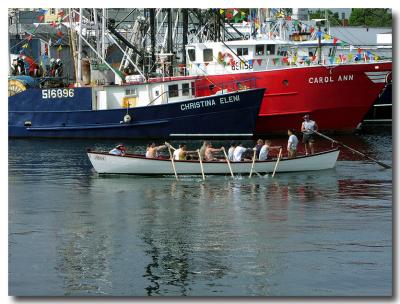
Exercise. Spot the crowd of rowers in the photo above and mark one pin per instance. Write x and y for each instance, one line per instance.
(236, 151)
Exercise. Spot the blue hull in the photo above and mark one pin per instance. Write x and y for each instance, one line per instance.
(231, 114)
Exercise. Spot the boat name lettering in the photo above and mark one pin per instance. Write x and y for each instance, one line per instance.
(99, 157)
(328, 79)
(197, 104)
(232, 98)
(57, 93)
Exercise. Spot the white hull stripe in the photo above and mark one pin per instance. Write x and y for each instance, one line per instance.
(377, 77)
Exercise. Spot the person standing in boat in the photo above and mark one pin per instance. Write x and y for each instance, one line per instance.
(308, 127)
(209, 152)
(152, 150)
(118, 150)
(292, 144)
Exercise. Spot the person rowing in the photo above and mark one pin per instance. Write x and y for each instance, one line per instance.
(238, 152)
(265, 148)
(182, 153)
(208, 154)
(152, 150)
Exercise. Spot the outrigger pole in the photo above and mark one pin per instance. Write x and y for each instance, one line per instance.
(353, 150)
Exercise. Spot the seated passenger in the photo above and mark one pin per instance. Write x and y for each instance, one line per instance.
(118, 150)
(152, 150)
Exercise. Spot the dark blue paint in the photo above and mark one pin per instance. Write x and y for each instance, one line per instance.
(74, 117)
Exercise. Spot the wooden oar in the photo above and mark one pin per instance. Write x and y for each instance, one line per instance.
(353, 150)
(252, 165)
(277, 161)
(227, 160)
(201, 164)
(172, 160)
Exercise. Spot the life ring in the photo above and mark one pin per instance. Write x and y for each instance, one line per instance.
(222, 56)
(127, 118)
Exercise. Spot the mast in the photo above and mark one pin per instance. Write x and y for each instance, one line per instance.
(152, 39)
(185, 17)
(319, 46)
(79, 78)
(169, 38)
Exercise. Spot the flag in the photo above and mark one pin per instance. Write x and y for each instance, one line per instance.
(350, 57)
(335, 40)
(351, 48)
(41, 17)
(359, 50)
(259, 61)
(235, 12)
(25, 46)
(221, 11)
(59, 33)
(319, 34)
(59, 41)
(327, 37)
(53, 24)
(59, 48)
(311, 30)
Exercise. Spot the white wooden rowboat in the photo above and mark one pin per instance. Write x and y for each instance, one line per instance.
(138, 164)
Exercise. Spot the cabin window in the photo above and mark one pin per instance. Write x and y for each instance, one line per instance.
(242, 51)
(173, 90)
(130, 92)
(185, 89)
(270, 49)
(193, 89)
(52, 11)
(259, 49)
(207, 55)
(192, 54)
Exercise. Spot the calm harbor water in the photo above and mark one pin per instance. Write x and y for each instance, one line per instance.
(74, 233)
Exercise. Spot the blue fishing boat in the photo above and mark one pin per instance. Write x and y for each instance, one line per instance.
(155, 109)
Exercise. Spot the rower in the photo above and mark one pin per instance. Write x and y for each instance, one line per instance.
(238, 152)
(209, 152)
(182, 153)
(152, 150)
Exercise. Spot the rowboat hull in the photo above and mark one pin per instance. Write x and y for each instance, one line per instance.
(133, 164)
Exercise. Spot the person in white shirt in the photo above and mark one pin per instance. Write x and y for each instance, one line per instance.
(265, 150)
(292, 144)
(237, 153)
(308, 127)
(118, 150)
(230, 151)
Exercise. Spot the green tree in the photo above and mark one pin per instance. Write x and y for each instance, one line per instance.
(371, 17)
(320, 14)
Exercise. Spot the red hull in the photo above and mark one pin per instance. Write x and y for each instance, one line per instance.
(337, 97)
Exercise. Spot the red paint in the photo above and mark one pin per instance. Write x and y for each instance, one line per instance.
(335, 105)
